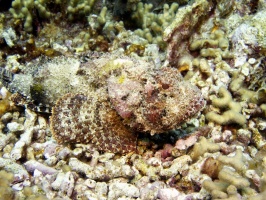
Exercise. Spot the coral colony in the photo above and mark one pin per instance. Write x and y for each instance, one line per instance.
(133, 99)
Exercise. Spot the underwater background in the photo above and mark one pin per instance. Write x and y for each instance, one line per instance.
(131, 99)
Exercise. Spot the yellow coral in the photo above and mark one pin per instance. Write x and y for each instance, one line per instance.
(121, 79)
(232, 115)
(5, 190)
